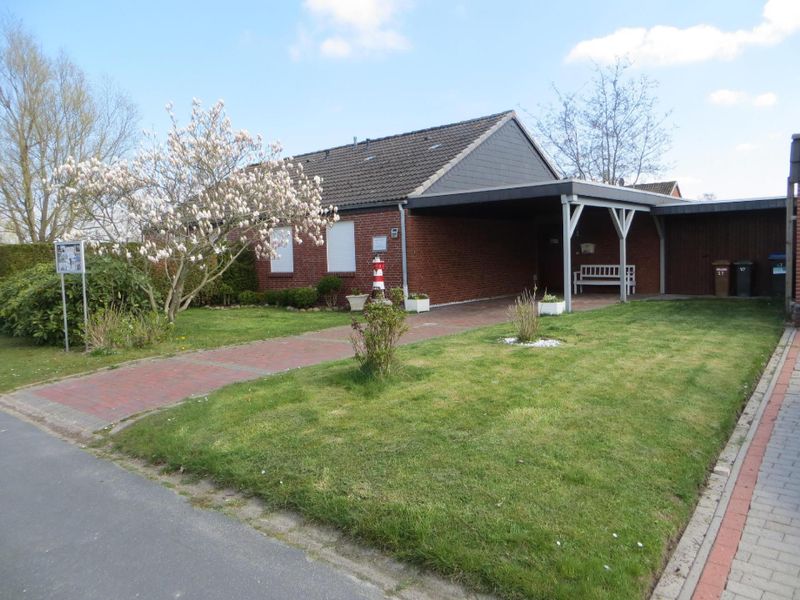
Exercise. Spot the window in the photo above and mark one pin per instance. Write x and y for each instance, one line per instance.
(341, 245)
(283, 244)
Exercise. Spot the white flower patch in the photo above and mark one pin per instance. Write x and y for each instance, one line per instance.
(541, 343)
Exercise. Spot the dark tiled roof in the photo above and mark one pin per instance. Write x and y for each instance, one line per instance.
(390, 168)
(657, 187)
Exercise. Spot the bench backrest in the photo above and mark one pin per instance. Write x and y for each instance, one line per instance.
(606, 271)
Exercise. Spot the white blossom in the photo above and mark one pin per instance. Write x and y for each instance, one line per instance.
(194, 199)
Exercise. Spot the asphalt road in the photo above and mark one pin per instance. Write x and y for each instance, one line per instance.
(73, 526)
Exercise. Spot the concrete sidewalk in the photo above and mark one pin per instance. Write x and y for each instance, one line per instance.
(80, 405)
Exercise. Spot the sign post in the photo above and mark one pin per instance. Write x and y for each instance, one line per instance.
(70, 258)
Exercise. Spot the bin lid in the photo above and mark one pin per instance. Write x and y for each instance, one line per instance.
(740, 263)
(777, 256)
(721, 263)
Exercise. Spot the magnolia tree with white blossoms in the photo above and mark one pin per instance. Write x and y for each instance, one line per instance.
(197, 201)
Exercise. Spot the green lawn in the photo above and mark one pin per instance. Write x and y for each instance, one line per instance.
(22, 362)
(530, 473)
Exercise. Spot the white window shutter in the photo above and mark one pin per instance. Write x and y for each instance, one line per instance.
(341, 244)
(283, 244)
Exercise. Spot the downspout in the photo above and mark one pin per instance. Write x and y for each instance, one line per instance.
(403, 248)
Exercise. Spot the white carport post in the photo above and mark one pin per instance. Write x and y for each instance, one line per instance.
(569, 221)
(622, 219)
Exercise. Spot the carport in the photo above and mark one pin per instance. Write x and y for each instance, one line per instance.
(570, 202)
(674, 247)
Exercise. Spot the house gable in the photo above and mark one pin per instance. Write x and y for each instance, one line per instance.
(506, 157)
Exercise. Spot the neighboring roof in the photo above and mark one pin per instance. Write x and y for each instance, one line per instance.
(715, 206)
(658, 187)
(389, 169)
(549, 189)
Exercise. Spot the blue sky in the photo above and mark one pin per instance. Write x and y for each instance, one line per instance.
(315, 73)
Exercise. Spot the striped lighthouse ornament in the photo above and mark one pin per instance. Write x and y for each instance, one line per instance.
(377, 276)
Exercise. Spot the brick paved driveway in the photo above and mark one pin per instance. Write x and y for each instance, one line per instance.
(83, 404)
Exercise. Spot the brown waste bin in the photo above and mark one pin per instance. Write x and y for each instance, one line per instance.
(722, 277)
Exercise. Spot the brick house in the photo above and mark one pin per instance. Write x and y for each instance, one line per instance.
(475, 210)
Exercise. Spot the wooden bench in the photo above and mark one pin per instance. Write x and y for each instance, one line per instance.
(603, 275)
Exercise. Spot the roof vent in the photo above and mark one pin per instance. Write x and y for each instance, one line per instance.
(355, 141)
(327, 153)
(369, 158)
(434, 147)
(367, 147)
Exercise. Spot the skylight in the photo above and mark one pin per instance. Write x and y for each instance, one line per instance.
(434, 147)
(369, 158)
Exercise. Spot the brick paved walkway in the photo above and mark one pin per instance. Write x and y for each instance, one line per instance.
(83, 404)
(756, 553)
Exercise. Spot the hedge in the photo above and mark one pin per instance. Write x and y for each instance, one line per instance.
(19, 257)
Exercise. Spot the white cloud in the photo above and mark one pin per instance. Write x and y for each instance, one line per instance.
(725, 97)
(353, 28)
(666, 45)
(765, 100)
(335, 47)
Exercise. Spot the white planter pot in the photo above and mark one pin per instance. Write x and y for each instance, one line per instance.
(357, 302)
(552, 308)
(418, 306)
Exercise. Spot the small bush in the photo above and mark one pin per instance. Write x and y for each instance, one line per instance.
(276, 297)
(417, 296)
(302, 297)
(328, 289)
(524, 315)
(550, 297)
(375, 341)
(112, 328)
(248, 297)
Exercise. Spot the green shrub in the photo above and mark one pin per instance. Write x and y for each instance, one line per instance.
(248, 297)
(20, 257)
(375, 341)
(277, 297)
(241, 275)
(113, 328)
(302, 297)
(328, 289)
(30, 301)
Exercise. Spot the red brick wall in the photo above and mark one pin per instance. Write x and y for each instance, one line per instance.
(463, 258)
(595, 226)
(458, 258)
(311, 261)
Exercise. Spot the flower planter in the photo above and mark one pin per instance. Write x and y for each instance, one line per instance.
(419, 305)
(357, 301)
(552, 308)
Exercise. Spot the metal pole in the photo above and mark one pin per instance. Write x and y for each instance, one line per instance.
(85, 312)
(567, 251)
(64, 305)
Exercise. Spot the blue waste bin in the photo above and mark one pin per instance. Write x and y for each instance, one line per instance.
(778, 260)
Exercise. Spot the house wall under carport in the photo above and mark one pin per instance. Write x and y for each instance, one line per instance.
(460, 258)
(695, 241)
